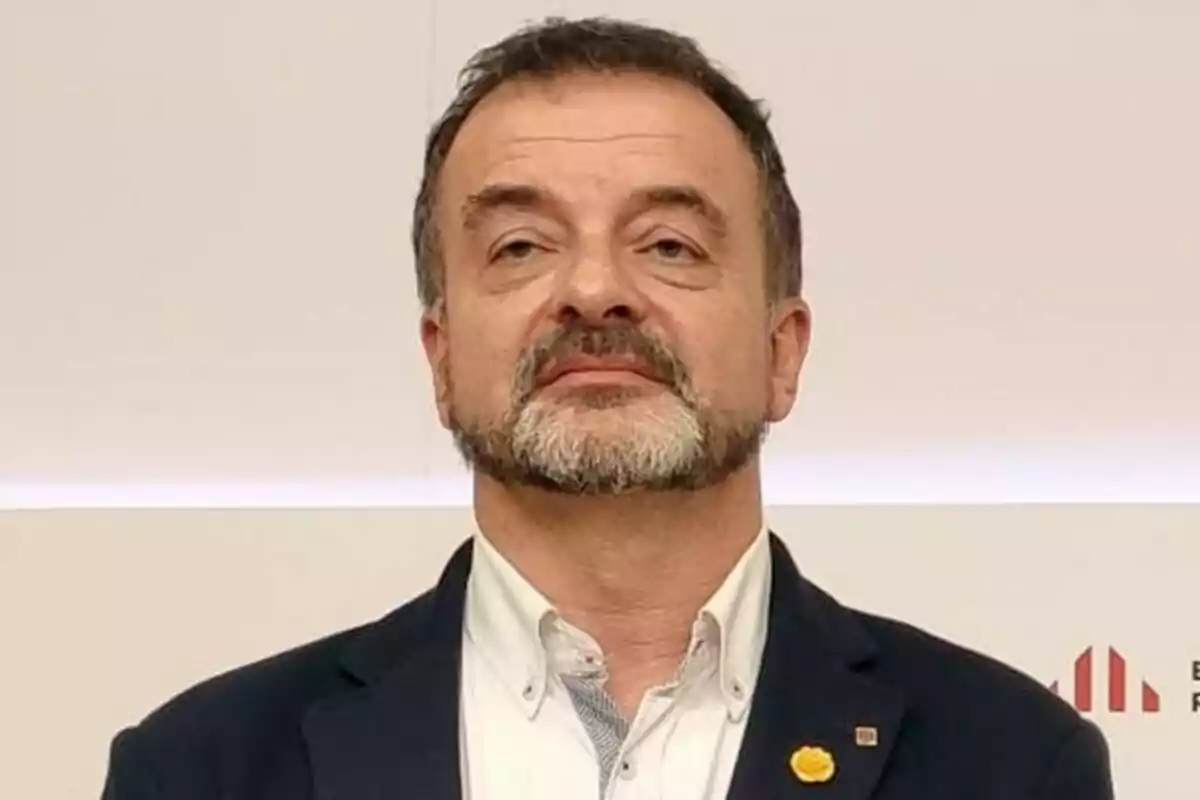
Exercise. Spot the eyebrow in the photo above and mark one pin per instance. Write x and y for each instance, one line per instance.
(498, 196)
(681, 196)
(527, 197)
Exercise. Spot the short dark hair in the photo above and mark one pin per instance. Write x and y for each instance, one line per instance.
(556, 47)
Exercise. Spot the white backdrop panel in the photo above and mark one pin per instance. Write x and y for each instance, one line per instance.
(204, 269)
(206, 291)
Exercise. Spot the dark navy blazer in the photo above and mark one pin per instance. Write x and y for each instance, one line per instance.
(372, 714)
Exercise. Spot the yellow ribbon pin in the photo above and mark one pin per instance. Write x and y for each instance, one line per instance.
(813, 764)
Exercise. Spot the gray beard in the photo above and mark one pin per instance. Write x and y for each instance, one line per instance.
(669, 442)
(537, 445)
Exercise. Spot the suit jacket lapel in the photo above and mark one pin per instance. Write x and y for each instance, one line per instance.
(397, 733)
(812, 691)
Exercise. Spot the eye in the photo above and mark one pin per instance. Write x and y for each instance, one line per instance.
(674, 250)
(515, 250)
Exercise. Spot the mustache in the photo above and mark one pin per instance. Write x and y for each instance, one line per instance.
(575, 339)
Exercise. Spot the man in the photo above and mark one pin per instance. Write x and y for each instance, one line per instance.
(609, 259)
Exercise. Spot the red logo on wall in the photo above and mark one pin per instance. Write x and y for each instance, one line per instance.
(1085, 675)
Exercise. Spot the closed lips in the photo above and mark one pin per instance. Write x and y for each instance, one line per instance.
(588, 364)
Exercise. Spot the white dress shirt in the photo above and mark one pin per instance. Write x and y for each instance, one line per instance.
(521, 736)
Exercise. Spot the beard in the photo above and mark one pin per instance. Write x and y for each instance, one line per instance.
(607, 440)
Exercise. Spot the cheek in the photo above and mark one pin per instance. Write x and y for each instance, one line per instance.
(721, 335)
(482, 362)
(479, 371)
(730, 364)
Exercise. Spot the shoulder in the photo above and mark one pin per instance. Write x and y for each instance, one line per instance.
(976, 713)
(240, 734)
(935, 672)
(269, 697)
(948, 688)
(190, 747)
(272, 688)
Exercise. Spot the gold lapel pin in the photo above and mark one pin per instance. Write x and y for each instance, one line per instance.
(813, 764)
(866, 736)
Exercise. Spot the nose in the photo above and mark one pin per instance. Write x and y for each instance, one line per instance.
(596, 289)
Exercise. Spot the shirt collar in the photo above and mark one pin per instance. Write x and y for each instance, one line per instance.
(505, 619)
(738, 613)
(510, 622)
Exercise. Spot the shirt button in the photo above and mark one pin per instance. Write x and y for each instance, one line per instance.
(737, 689)
(527, 692)
(627, 769)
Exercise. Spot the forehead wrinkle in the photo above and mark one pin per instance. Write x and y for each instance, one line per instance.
(500, 161)
(616, 137)
(507, 152)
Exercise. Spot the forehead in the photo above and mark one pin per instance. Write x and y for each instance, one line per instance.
(594, 132)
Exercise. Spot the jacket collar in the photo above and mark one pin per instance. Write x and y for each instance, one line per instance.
(396, 732)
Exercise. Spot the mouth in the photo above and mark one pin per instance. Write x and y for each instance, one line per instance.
(598, 372)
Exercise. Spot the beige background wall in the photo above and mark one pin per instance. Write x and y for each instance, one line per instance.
(206, 293)
(106, 614)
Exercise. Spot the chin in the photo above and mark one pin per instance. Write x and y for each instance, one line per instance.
(644, 439)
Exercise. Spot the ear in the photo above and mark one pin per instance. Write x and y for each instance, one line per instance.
(435, 339)
(791, 329)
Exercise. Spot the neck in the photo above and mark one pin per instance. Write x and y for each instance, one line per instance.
(631, 570)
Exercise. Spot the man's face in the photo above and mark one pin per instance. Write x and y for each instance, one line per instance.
(605, 325)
